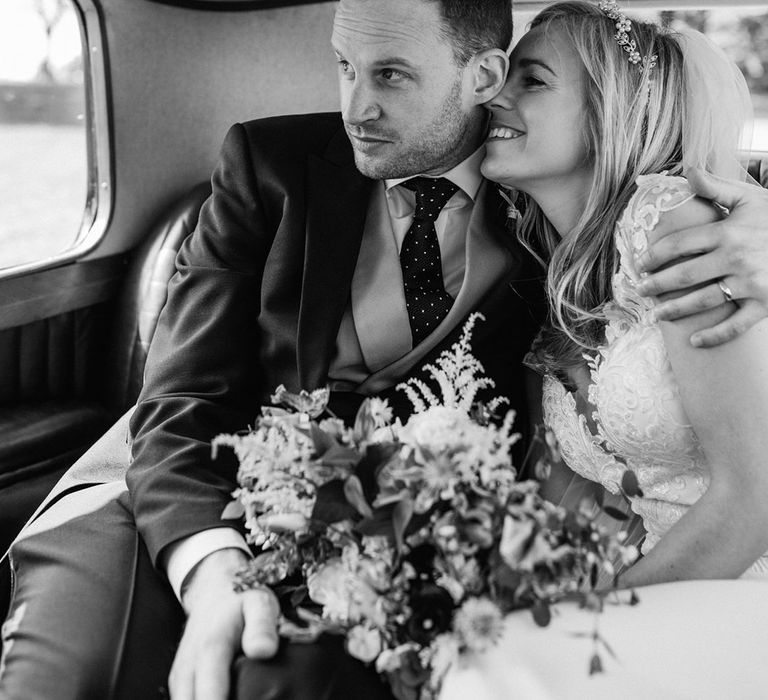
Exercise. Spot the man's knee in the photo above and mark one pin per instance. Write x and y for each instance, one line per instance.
(86, 600)
(308, 672)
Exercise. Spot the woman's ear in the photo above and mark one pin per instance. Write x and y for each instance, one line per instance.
(489, 72)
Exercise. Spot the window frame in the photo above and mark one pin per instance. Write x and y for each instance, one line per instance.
(99, 191)
(629, 6)
(99, 202)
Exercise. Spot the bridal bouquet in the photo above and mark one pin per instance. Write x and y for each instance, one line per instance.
(412, 540)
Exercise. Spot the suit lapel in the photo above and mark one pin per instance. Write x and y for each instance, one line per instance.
(337, 203)
(491, 261)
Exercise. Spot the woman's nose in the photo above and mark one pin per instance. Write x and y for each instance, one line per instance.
(504, 100)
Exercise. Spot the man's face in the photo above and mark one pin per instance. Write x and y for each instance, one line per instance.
(405, 102)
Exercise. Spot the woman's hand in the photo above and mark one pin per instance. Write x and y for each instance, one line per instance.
(724, 391)
(734, 250)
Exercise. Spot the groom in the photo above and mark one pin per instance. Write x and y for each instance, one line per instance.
(308, 267)
(327, 262)
(318, 259)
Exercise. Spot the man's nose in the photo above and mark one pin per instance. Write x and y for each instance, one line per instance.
(359, 104)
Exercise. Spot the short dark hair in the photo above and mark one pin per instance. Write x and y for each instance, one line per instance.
(473, 26)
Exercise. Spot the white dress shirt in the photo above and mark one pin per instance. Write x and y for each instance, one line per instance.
(348, 369)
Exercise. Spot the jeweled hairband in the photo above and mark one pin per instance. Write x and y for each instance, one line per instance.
(623, 27)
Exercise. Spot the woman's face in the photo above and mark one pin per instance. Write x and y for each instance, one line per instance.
(537, 135)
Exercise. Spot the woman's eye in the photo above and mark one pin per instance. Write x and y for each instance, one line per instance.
(345, 67)
(532, 81)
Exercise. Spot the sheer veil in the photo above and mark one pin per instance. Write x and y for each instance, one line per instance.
(719, 119)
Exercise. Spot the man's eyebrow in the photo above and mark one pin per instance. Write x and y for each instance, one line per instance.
(393, 60)
(525, 62)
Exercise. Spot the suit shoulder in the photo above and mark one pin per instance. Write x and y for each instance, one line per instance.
(295, 132)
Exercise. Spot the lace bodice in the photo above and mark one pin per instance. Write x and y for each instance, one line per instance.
(638, 417)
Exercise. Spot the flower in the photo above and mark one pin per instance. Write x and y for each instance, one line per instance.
(284, 522)
(381, 412)
(364, 643)
(328, 586)
(410, 540)
(514, 538)
(408, 674)
(431, 610)
(445, 652)
(311, 403)
(345, 596)
(479, 623)
(438, 427)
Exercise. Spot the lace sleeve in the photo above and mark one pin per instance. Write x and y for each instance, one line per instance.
(655, 195)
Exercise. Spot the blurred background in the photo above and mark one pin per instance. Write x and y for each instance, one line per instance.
(43, 128)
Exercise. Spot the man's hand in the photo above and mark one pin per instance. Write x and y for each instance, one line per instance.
(220, 622)
(734, 250)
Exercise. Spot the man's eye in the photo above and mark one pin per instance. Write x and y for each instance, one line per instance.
(391, 75)
(345, 67)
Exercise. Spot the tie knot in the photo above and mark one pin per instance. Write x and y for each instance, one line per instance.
(432, 194)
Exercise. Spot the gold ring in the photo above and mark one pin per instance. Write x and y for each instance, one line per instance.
(726, 290)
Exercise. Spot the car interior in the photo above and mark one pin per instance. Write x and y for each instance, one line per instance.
(161, 82)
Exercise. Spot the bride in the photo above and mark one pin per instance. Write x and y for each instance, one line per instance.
(599, 120)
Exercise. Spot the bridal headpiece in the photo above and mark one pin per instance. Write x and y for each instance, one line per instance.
(623, 28)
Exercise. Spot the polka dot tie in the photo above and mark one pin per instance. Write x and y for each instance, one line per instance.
(425, 297)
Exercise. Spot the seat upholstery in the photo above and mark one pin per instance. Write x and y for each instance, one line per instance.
(42, 438)
(144, 294)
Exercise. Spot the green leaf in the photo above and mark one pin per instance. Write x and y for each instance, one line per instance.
(600, 496)
(608, 647)
(298, 596)
(367, 469)
(543, 470)
(322, 440)
(401, 516)
(592, 601)
(595, 664)
(542, 614)
(353, 491)
(331, 504)
(339, 455)
(234, 511)
(380, 524)
(615, 513)
(630, 484)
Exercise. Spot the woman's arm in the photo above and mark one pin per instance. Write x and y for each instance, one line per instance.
(725, 393)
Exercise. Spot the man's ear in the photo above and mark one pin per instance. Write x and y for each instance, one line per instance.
(489, 71)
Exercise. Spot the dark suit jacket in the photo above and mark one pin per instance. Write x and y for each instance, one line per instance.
(257, 300)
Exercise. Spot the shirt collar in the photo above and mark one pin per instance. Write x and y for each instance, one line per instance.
(466, 175)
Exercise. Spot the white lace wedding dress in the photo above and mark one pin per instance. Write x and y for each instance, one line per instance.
(697, 639)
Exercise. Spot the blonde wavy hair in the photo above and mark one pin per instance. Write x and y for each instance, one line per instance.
(634, 126)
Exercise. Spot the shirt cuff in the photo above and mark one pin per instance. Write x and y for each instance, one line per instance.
(187, 553)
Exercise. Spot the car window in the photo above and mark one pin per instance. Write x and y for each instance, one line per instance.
(43, 137)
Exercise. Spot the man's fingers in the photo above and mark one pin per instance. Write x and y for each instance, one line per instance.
(181, 681)
(747, 316)
(679, 245)
(212, 673)
(261, 613)
(728, 193)
(708, 297)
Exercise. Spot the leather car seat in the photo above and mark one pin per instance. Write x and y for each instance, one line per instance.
(69, 426)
